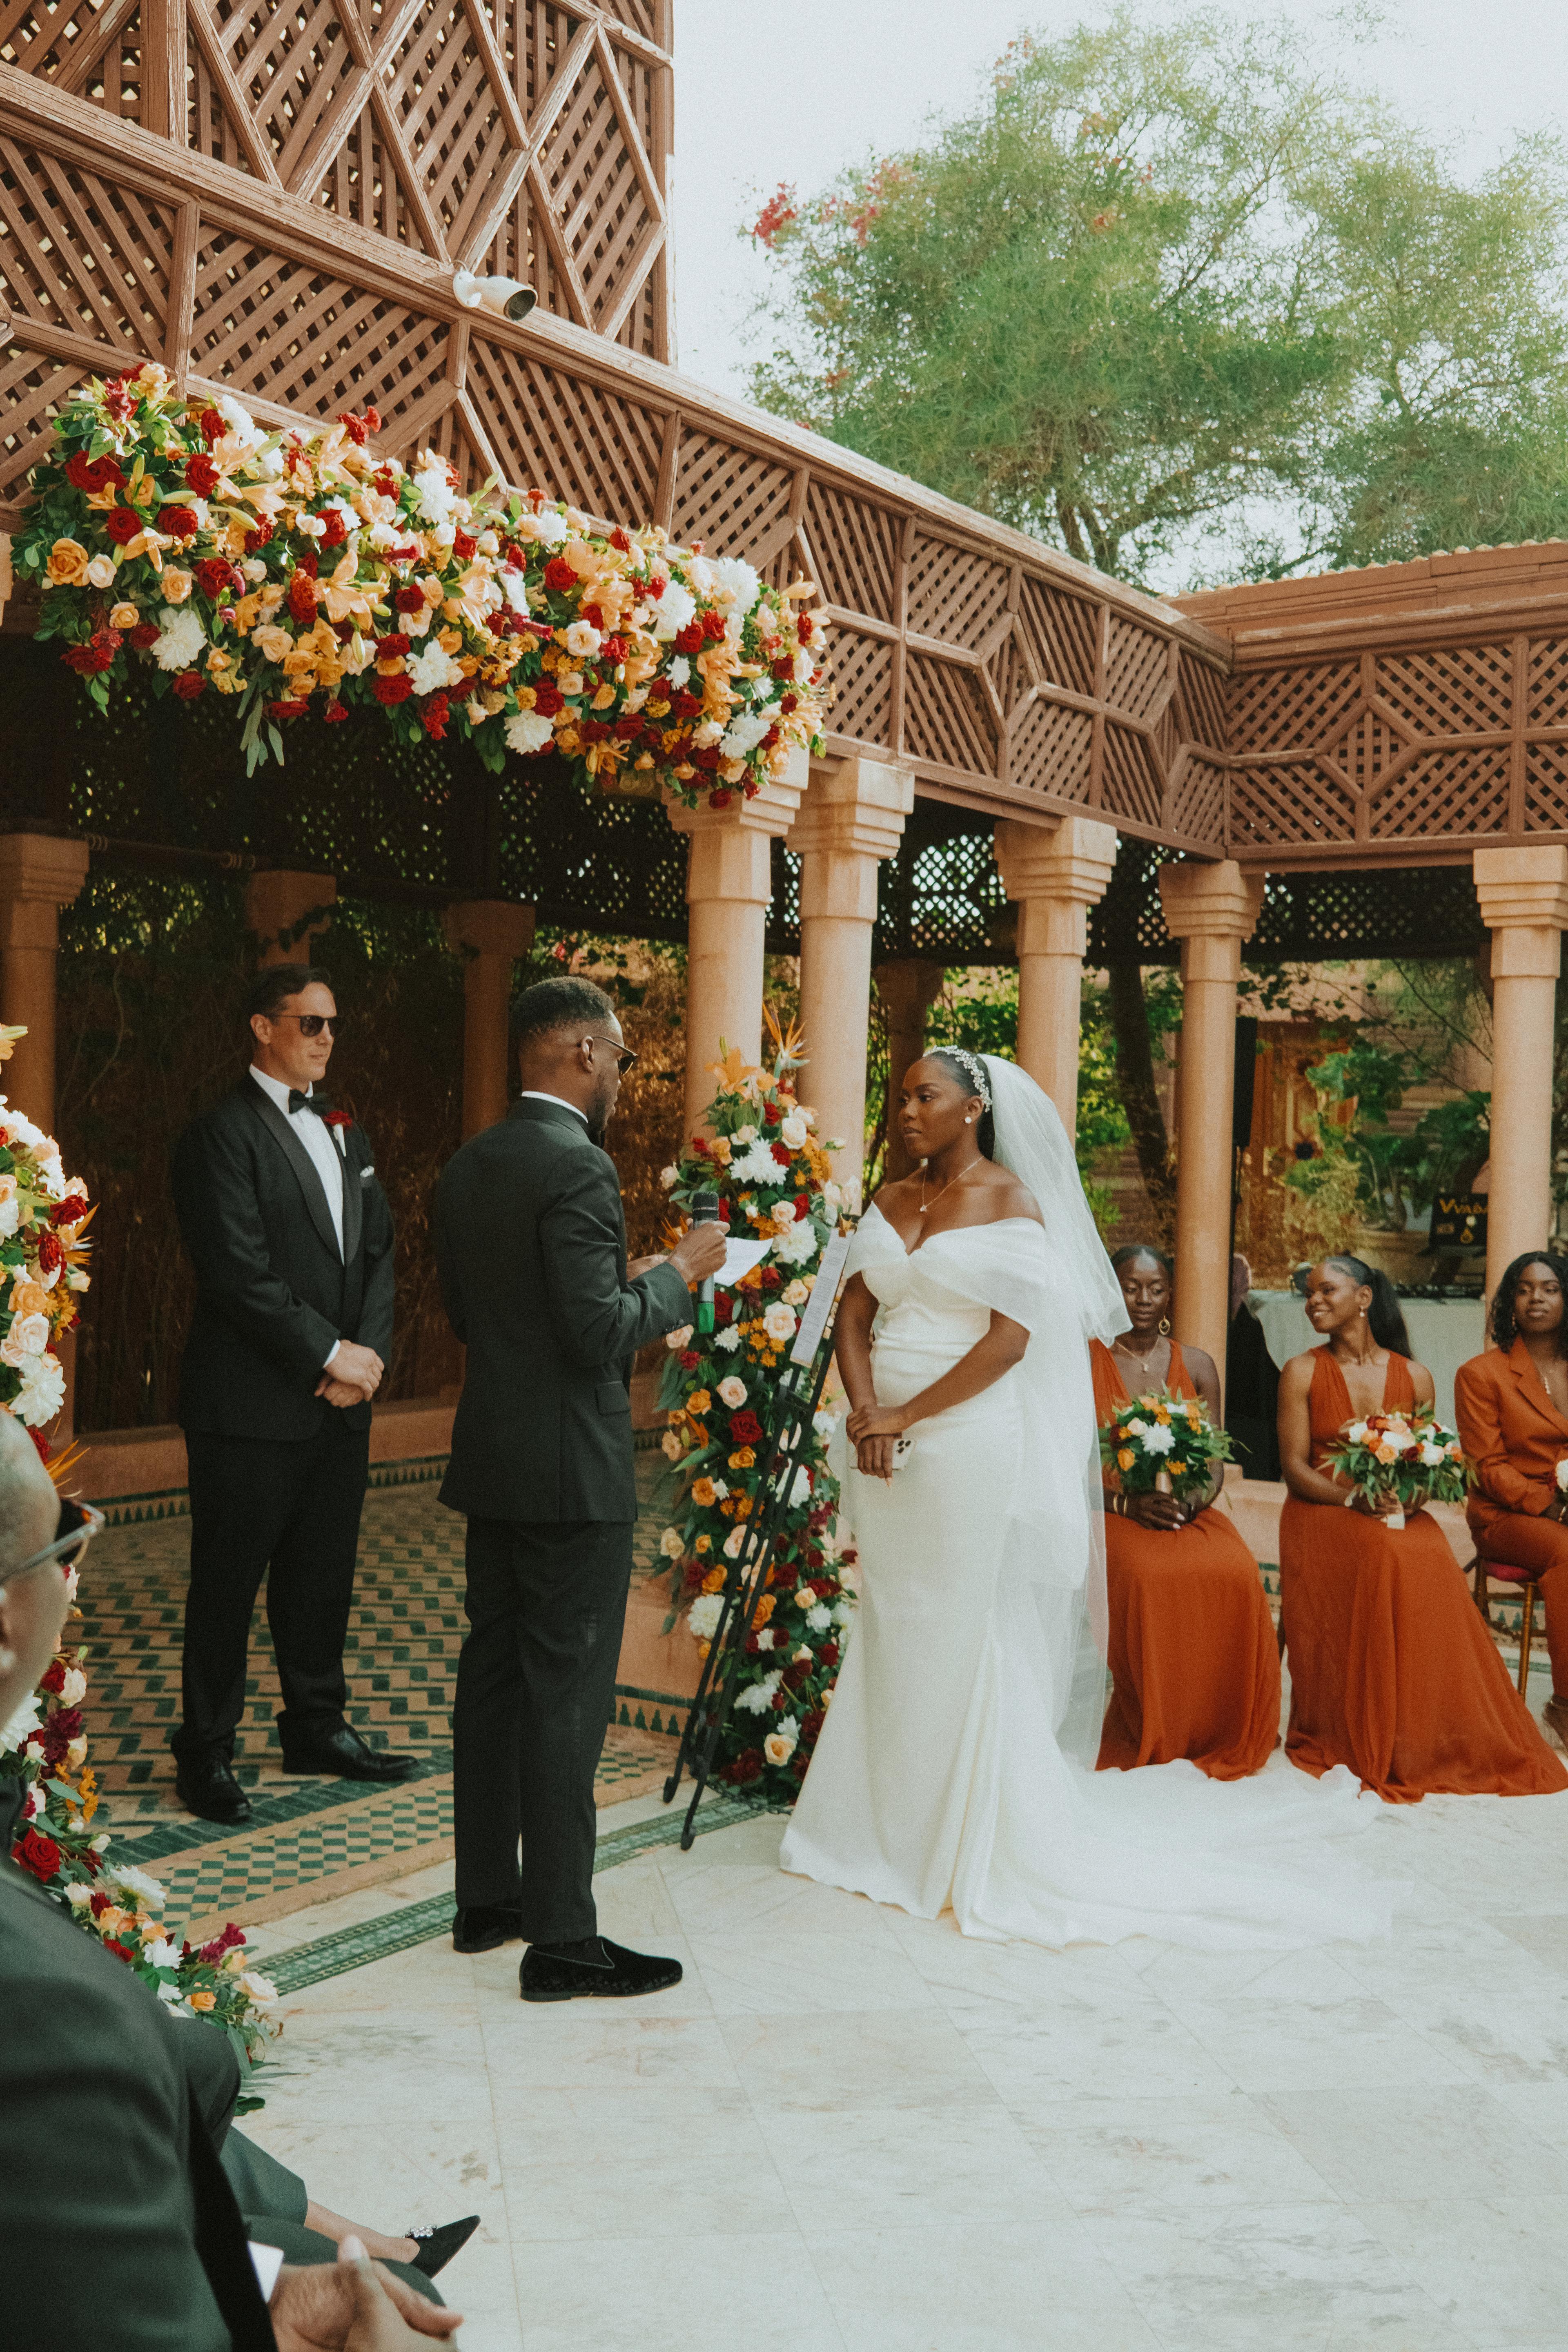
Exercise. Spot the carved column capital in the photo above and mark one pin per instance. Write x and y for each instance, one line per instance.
(1211, 910)
(1056, 873)
(1523, 896)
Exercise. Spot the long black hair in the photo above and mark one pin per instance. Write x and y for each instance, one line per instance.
(1505, 1330)
(986, 1133)
(1384, 1316)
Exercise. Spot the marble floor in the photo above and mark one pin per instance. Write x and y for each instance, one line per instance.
(856, 2130)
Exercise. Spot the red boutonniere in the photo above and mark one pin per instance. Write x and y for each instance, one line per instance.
(339, 1118)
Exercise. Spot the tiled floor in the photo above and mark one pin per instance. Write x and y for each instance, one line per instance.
(851, 2131)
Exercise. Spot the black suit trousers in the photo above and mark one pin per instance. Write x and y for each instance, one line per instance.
(536, 1681)
(288, 1509)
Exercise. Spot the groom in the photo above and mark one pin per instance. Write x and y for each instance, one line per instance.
(531, 1249)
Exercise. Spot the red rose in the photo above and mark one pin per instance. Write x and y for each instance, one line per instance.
(720, 800)
(714, 625)
(464, 546)
(684, 704)
(121, 1951)
(654, 587)
(189, 684)
(811, 1729)
(55, 1679)
(548, 699)
(710, 758)
(769, 1278)
(39, 1855)
(745, 1429)
(793, 1675)
(302, 598)
(178, 522)
(214, 424)
(749, 791)
(292, 707)
(800, 1763)
(334, 712)
(770, 739)
(201, 476)
(829, 1653)
(393, 689)
(629, 728)
(372, 419)
(97, 655)
(216, 578)
(391, 646)
(782, 1153)
(788, 702)
(434, 715)
(688, 640)
(307, 563)
(559, 575)
(594, 731)
(746, 1768)
(619, 538)
(593, 614)
(805, 628)
(408, 600)
(337, 1119)
(356, 429)
(783, 671)
(93, 474)
(772, 1114)
(145, 635)
(802, 1207)
(336, 529)
(122, 524)
(259, 535)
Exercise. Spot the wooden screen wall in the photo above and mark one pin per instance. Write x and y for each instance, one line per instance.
(271, 201)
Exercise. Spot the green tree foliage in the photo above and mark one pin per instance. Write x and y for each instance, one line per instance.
(1167, 279)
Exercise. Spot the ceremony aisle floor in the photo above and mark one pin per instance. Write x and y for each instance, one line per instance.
(850, 2131)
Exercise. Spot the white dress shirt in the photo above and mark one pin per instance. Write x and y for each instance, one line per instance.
(535, 1093)
(326, 1155)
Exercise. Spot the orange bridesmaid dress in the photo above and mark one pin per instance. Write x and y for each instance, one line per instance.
(1392, 1671)
(1194, 1658)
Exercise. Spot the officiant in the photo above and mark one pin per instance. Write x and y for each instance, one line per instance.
(290, 1235)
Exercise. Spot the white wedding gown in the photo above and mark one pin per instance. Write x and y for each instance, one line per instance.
(940, 1778)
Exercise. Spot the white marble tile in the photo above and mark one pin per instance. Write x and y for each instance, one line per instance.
(568, 2045)
(767, 1973)
(683, 2292)
(1494, 2264)
(888, 2058)
(1544, 1935)
(742, 1898)
(579, 2183)
(1452, 2142)
(986, 2287)
(1303, 2045)
(909, 2168)
(1075, 2051)
(1119, 2155)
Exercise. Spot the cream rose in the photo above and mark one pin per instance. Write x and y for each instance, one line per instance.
(176, 584)
(124, 617)
(732, 1392)
(28, 1335)
(779, 1323)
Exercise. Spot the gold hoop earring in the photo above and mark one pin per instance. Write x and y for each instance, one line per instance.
(1164, 1326)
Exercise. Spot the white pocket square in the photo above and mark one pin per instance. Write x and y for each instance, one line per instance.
(367, 1173)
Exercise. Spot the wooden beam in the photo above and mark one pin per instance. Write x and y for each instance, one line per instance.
(178, 328)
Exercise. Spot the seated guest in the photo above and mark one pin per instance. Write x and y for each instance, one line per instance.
(120, 2227)
(1392, 1671)
(1193, 1657)
(1511, 1405)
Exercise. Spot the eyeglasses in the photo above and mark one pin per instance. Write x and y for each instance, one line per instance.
(78, 1525)
(625, 1056)
(312, 1024)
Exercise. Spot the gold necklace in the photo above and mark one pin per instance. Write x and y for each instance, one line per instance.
(950, 1184)
(1142, 1362)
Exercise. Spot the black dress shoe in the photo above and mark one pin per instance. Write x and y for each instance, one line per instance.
(207, 1787)
(345, 1753)
(436, 2247)
(595, 1967)
(486, 1926)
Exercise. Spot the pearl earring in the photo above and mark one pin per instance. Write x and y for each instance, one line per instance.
(968, 1118)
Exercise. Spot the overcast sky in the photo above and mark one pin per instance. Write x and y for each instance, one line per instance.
(765, 93)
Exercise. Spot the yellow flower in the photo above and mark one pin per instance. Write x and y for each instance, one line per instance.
(1126, 1458)
(124, 617)
(714, 1580)
(703, 1543)
(743, 1458)
(699, 1402)
(67, 563)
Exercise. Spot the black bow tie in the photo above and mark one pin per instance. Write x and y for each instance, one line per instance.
(320, 1104)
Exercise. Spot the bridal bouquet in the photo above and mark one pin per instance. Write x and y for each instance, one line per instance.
(1165, 1445)
(1407, 1459)
(760, 1154)
(299, 573)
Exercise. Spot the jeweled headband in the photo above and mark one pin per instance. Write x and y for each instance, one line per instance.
(975, 1067)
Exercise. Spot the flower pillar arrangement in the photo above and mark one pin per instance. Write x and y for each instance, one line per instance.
(758, 1150)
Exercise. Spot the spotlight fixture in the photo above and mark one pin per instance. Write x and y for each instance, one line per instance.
(509, 298)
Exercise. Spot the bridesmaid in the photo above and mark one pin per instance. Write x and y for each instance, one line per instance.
(1392, 1671)
(1511, 1405)
(1194, 1658)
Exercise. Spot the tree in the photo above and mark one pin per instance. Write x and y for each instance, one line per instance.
(1164, 278)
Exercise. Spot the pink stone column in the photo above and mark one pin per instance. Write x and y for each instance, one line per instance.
(1211, 910)
(852, 817)
(728, 883)
(1056, 873)
(1523, 896)
(491, 934)
(39, 873)
(277, 903)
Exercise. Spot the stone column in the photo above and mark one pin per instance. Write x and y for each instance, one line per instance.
(908, 987)
(39, 873)
(489, 934)
(852, 817)
(728, 883)
(1211, 910)
(1523, 894)
(277, 903)
(1057, 873)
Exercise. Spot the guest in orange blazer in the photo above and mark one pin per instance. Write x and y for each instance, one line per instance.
(1512, 1410)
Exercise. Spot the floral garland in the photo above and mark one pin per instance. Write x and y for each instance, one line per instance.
(774, 1178)
(299, 571)
(43, 1217)
(45, 1746)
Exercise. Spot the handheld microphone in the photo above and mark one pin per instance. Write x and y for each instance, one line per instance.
(705, 1212)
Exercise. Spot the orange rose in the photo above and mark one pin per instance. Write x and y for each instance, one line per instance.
(702, 1494)
(764, 1609)
(699, 1402)
(1126, 1458)
(714, 1580)
(66, 564)
(29, 1299)
(743, 1458)
(203, 2000)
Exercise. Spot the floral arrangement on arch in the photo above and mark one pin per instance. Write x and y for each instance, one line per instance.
(301, 574)
(44, 1215)
(774, 1178)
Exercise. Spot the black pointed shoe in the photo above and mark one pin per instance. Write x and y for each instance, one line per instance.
(343, 1753)
(438, 2246)
(595, 1967)
(207, 1787)
(486, 1926)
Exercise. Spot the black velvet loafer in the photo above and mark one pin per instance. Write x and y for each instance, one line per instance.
(594, 1968)
(437, 2246)
(207, 1787)
(486, 1926)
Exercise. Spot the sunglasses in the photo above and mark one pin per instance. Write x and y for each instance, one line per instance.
(624, 1058)
(312, 1024)
(78, 1525)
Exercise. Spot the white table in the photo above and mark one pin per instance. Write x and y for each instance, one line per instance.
(1444, 1334)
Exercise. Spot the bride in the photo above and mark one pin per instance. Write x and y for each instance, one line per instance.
(955, 1766)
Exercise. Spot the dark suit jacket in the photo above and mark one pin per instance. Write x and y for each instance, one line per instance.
(272, 1293)
(531, 1242)
(1512, 1432)
(116, 2223)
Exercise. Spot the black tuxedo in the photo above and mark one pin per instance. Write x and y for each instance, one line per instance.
(116, 2222)
(277, 1474)
(530, 1243)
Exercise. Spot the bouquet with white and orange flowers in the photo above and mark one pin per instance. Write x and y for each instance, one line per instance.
(1163, 1444)
(1401, 1461)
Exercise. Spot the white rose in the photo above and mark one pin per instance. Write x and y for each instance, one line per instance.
(674, 1339)
(708, 734)
(799, 1494)
(765, 1638)
(805, 663)
(1357, 1433)
(802, 1656)
(744, 1135)
(825, 1423)
(78, 1897)
(163, 1954)
(843, 1613)
(780, 1322)
(670, 1545)
(73, 1690)
(794, 1130)
(28, 1335)
(819, 1618)
(729, 1339)
(702, 1617)
(795, 1245)
(261, 1990)
(583, 640)
(779, 1746)
(719, 1490)
(784, 1214)
(100, 572)
(1432, 1455)
(528, 731)
(670, 1177)
(732, 1392)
